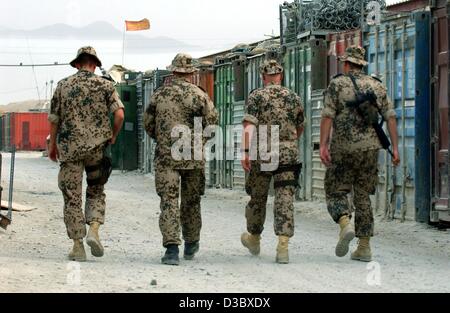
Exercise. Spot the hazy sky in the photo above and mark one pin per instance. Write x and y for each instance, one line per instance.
(211, 25)
(199, 20)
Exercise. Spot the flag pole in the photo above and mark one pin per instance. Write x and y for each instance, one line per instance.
(123, 43)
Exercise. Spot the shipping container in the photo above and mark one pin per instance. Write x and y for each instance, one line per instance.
(338, 43)
(318, 169)
(125, 151)
(222, 168)
(307, 56)
(398, 53)
(150, 82)
(26, 131)
(440, 206)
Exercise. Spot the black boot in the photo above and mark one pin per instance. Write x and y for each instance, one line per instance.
(190, 249)
(171, 256)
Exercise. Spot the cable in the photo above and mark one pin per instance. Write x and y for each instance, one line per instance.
(34, 65)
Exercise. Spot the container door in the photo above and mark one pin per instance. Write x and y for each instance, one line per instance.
(440, 190)
(25, 136)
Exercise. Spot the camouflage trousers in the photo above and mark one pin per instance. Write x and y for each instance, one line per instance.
(357, 172)
(257, 187)
(70, 181)
(187, 215)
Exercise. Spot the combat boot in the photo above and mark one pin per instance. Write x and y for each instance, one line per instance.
(252, 243)
(171, 257)
(282, 250)
(78, 254)
(346, 235)
(190, 249)
(363, 253)
(93, 240)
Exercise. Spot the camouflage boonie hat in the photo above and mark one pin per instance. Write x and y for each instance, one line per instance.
(355, 55)
(182, 63)
(86, 50)
(271, 67)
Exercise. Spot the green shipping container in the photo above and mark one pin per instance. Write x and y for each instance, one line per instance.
(222, 170)
(300, 60)
(125, 151)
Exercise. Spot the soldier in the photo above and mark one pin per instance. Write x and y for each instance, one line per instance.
(352, 156)
(272, 105)
(172, 106)
(80, 131)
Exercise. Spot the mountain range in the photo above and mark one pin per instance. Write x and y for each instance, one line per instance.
(97, 31)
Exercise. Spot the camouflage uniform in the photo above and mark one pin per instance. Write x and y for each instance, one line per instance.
(80, 107)
(274, 105)
(170, 106)
(354, 147)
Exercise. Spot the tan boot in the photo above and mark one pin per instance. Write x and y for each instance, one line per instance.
(93, 240)
(346, 235)
(78, 254)
(363, 252)
(283, 250)
(251, 242)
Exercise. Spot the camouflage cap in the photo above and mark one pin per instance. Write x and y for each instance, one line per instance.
(182, 63)
(86, 50)
(355, 55)
(271, 67)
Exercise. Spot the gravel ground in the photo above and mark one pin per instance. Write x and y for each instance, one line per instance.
(409, 257)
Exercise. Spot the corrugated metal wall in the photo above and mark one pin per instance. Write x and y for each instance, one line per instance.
(27, 131)
(440, 208)
(222, 170)
(393, 51)
(300, 61)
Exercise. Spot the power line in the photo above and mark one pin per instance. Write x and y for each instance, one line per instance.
(34, 65)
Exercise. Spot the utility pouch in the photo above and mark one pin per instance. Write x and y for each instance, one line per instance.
(104, 168)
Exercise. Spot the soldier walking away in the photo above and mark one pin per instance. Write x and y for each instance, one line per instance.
(80, 132)
(272, 105)
(353, 106)
(172, 106)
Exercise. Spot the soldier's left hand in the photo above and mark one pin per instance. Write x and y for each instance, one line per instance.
(396, 158)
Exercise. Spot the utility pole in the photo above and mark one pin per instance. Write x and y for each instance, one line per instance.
(51, 88)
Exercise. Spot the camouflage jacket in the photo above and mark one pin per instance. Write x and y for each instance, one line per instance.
(178, 104)
(350, 133)
(275, 105)
(81, 106)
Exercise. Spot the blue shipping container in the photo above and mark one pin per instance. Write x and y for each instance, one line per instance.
(398, 53)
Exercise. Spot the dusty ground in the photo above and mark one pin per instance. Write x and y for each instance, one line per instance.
(411, 257)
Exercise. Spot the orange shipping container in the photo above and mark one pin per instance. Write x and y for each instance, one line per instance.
(339, 42)
(29, 131)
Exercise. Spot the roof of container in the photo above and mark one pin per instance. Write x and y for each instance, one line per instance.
(211, 57)
(407, 4)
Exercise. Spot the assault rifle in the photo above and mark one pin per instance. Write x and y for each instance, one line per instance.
(366, 106)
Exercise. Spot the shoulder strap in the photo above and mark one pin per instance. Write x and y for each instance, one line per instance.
(353, 79)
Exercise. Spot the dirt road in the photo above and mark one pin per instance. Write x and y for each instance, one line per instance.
(409, 257)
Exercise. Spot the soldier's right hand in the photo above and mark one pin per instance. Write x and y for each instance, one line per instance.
(245, 162)
(325, 156)
(53, 153)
